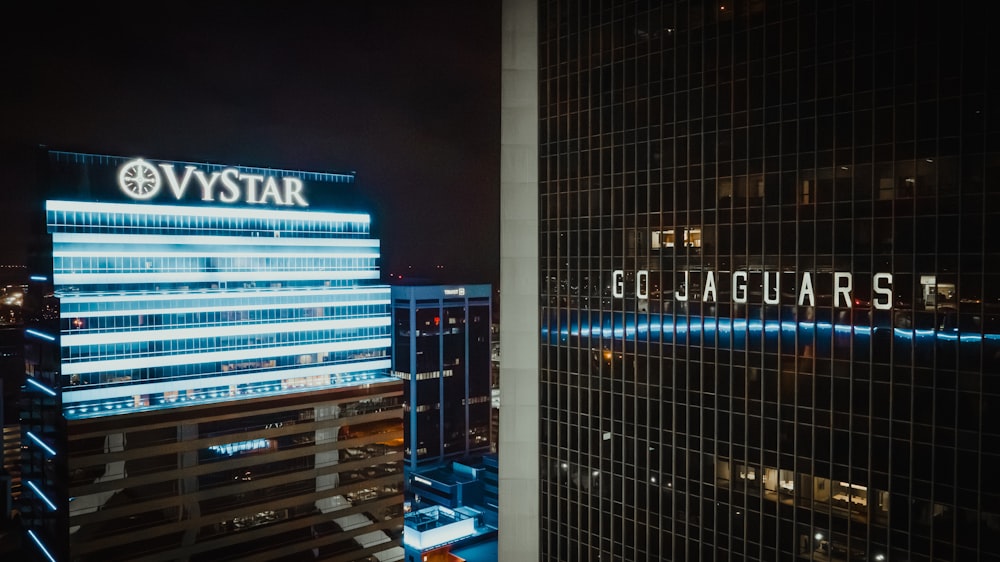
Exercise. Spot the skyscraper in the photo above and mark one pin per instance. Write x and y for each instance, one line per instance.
(768, 270)
(442, 353)
(214, 381)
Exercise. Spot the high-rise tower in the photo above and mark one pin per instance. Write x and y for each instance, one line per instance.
(213, 383)
(768, 270)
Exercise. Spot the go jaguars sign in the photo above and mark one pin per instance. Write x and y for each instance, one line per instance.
(739, 282)
(141, 180)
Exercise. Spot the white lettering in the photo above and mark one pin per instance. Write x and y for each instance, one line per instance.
(271, 192)
(777, 288)
(618, 284)
(178, 187)
(251, 182)
(229, 176)
(740, 287)
(709, 288)
(683, 297)
(840, 289)
(293, 192)
(882, 291)
(642, 284)
(206, 184)
(807, 290)
(141, 180)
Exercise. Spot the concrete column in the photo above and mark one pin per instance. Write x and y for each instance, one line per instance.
(519, 310)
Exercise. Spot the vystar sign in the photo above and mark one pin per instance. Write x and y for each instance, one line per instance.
(142, 180)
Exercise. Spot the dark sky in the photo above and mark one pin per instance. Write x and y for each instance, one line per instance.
(405, 94)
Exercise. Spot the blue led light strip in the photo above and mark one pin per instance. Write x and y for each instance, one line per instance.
(41, 443)
(41, 335)
(47, 501)
(231, 449)
(105, 208)
(81, 393)
(697, 329)
(41, 386)
(119, 241)
(245, 329)
(209, 276)
(83, 367)
(232, 295)
(41, 546)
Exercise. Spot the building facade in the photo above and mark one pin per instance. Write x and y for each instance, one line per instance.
(215, 383)
(768, 270)
(442, 351)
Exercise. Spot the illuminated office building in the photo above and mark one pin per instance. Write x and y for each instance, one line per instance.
(442, 351)
(215, 385)
(769, 277)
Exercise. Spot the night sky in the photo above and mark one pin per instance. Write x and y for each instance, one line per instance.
(405, 94)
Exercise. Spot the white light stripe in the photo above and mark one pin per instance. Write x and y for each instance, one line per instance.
(138, 336)
(51, 505)
(261, 253)
(41, 335)
(313, 217)
(120, 239)
(41, 443)
(235, 294)
(40, 386)
(107, 365)
(38, 542)
(214, 276)
(73, 396)
(66, 314)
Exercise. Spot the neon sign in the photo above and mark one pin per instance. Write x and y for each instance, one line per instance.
(141, 180)
(231, 449)
(843, 286)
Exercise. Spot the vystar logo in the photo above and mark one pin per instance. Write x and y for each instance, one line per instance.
(141, 180)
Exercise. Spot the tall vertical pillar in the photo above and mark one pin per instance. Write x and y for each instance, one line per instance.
(519, 323)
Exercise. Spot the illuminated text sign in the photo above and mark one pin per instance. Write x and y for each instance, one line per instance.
(842, 288)
(142, 180)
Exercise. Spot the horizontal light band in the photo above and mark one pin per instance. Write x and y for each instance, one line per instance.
(73, 396)
(231, 449)
(227, 330)
(261, 253)
(175, 359)
(308, 217)
(210, 277)
(240, 295)
(67, 313)
(159, 240)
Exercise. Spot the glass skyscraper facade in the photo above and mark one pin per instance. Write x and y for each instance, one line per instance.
(215, 384)
(442, 347)
(769, 281)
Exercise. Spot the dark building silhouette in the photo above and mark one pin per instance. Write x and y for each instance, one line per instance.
(770, 280)
(442, 351)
